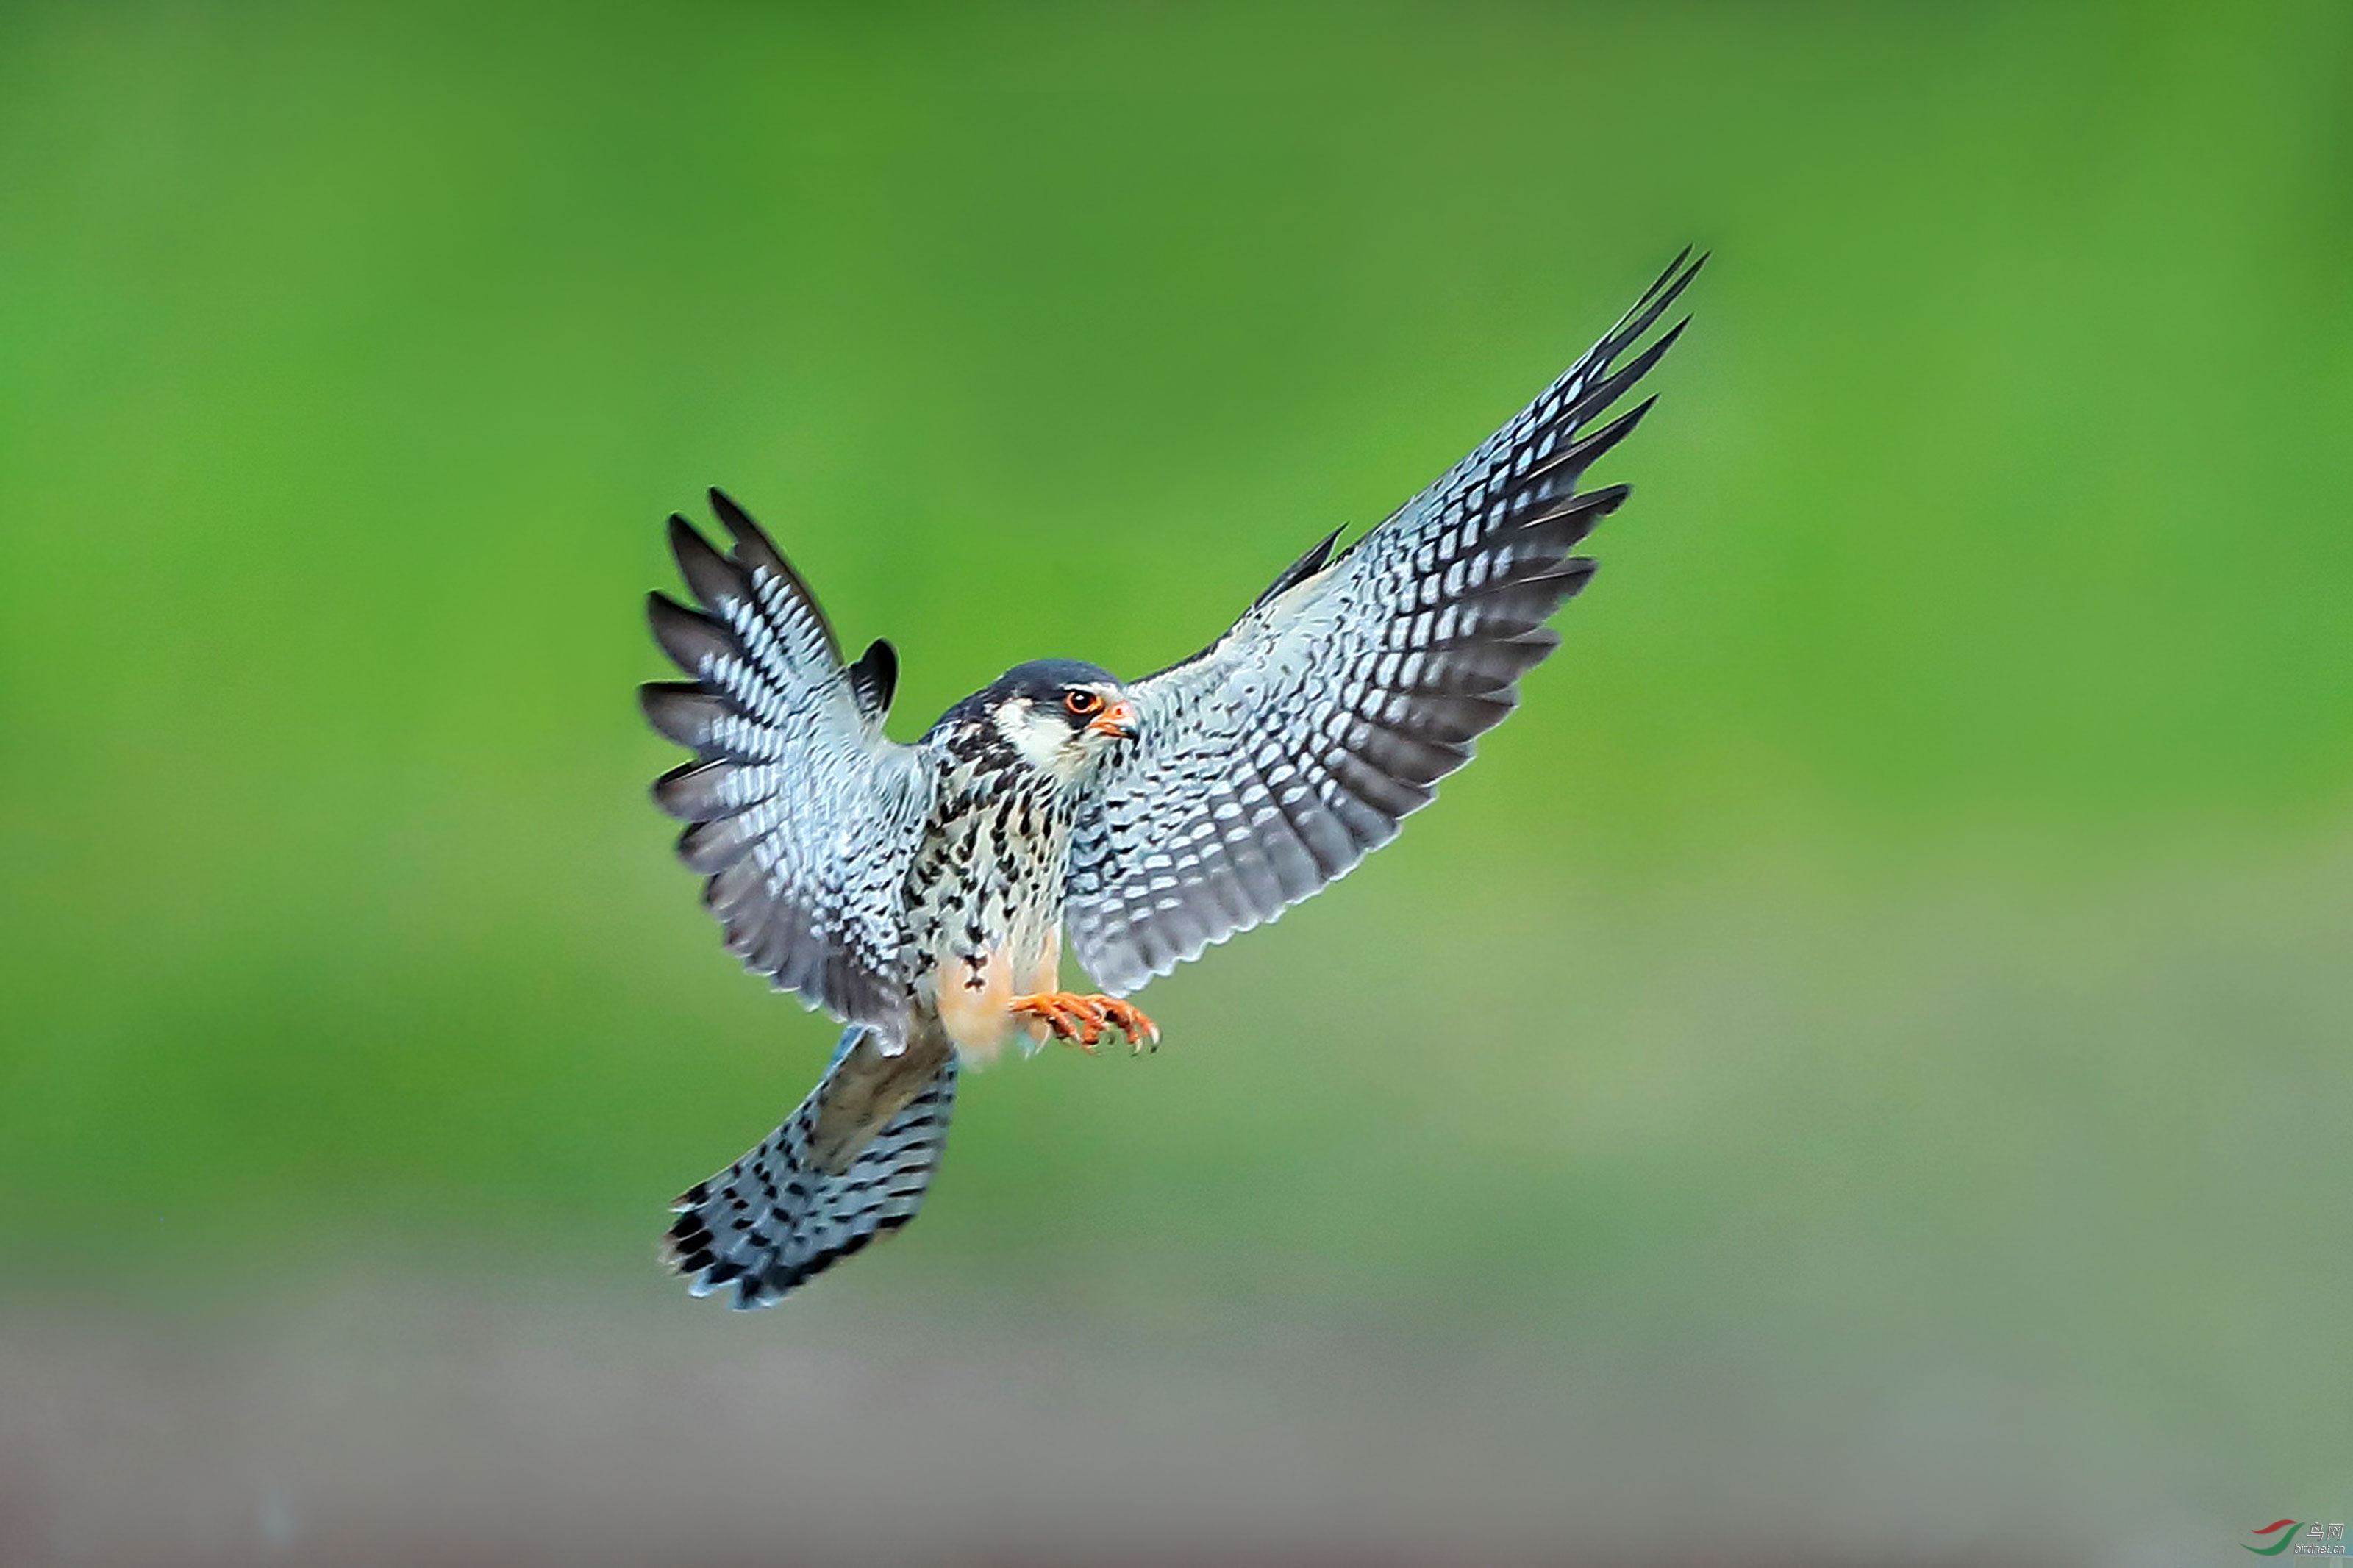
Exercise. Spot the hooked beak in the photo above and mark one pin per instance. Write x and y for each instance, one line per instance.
(1118, 720)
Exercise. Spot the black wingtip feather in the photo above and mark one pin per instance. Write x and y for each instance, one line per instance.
(1612, 387)
(680, 710)
(1588, 506)
(1587, 449)
(875, 678)
(712, 577)
(686, 792)
(688, 637)
(1665, 276)
(739, 522)
(1565, 466)
(1653, 303)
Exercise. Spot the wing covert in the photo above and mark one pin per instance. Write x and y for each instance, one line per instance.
(1270, 763)
(802, 818)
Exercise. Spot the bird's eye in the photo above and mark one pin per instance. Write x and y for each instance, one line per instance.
(1082, 702)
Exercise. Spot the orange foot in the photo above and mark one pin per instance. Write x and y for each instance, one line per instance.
(1080, 1020)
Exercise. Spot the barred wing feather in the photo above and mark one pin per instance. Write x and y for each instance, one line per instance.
(801, 814)
(1273, 760)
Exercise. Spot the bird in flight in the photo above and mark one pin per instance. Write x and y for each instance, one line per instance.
(920, 893)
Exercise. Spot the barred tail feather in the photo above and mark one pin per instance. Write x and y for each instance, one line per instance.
(851, 1164)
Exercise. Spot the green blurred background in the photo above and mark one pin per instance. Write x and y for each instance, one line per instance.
(1857, 1071)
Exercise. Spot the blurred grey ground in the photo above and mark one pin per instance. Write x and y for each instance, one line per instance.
(385, 1422)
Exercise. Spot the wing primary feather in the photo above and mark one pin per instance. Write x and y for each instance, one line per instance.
(1592, 400)
(687, 712)
(1648, 308)
(710, 846)
(694, 791)
(756, 550)
(692, 639)
(1589, 506)
(1407, 758)
(713, 578)
(1576, 573)
(1574, 458)
(1656, 284)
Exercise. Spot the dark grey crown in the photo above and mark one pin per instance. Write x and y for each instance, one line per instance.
(1042, 681)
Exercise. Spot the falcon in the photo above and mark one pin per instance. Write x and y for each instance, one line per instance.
(920, 894)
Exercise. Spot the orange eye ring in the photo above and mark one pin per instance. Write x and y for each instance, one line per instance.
(1083, 703)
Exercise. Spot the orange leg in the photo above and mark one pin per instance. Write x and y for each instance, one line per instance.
(1080, 1020)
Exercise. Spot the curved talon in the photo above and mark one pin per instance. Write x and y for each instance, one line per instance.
(1140, 1030)
(1080, 1020)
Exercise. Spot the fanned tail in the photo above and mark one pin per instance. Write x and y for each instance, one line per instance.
(851, 1164)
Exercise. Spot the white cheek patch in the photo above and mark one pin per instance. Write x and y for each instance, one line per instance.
(1042, 740)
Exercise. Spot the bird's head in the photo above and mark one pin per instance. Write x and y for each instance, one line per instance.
(1060, 715)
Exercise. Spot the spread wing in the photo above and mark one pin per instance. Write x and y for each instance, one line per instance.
(1269, 763)
(801, 814)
